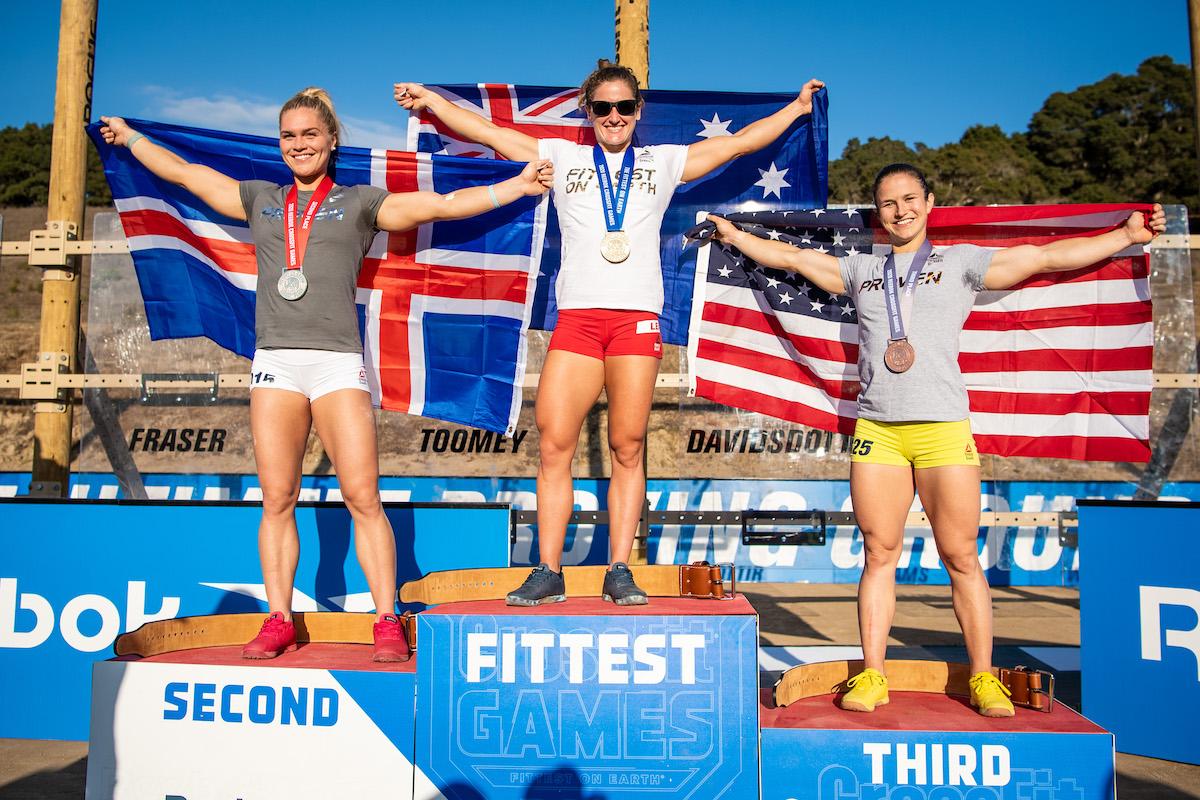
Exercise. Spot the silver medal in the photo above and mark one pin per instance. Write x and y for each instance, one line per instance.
(292, 284)
(615, 246)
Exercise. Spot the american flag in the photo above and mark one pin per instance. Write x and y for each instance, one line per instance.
(1058, 366)
(443, 308)
(790, 173)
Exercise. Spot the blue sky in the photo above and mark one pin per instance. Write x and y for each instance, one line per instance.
(917, 72)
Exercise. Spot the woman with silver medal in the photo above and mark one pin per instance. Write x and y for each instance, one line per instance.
(610, 199)
(308, 366)
(913, 431)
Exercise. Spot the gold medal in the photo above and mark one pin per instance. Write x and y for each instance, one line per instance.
(899, 355)
(615, 246)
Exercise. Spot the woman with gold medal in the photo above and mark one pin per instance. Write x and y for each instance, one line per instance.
(913, 432)
(610, 199)
(310, 238)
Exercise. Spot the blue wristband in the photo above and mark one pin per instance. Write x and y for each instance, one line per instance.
(492, 192)
(130, 141)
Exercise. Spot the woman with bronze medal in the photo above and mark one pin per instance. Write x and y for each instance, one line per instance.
(610, 199)
(913, 432)
(310, 239)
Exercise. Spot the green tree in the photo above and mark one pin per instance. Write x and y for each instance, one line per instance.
(1126, 138)
(25, 168)
(985, 166)
(852, 177)
(25, 165)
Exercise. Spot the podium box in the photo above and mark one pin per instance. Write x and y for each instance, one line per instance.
(932, 746)
(585, 698)
(324, 721)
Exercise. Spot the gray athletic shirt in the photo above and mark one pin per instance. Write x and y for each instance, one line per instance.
(932, 390)
(325, 318)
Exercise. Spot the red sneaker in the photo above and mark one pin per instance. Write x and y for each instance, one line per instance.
(278, 635)
(390, 642)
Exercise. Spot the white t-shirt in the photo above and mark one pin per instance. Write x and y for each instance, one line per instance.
(586, 279)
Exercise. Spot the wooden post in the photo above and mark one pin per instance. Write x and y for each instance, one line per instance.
(1194, 30)
(633, 38)
(633, 51)
(60, 290)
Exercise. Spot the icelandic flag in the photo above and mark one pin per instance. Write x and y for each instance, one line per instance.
(790, 173)
(443, 308)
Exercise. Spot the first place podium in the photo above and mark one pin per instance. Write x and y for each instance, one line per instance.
(585, 699)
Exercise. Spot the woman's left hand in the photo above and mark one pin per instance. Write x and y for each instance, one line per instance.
(806, 94)
(1143, 228)
(537, 177)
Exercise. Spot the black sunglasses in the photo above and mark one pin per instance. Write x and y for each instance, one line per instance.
(602, 108)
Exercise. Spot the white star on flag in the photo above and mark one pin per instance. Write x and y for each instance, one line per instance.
(714, 127)
(772, 181)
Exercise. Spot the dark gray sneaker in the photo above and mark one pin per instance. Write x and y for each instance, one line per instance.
(619, 587)
(543, 585)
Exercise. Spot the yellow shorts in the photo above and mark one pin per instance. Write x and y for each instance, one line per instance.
(921, 444)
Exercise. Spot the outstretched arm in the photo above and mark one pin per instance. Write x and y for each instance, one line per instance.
(703, 157)
(820, 268)
(1012, 265)
(218, 191)
(405, 210)
(512, 144)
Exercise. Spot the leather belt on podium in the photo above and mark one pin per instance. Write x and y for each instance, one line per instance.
(700, 580)
(1030, 688)
(228, 630)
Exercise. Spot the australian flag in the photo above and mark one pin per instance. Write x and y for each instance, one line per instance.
(443, 308)
(792, 172)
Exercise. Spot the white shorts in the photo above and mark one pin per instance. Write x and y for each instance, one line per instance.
(312, 373)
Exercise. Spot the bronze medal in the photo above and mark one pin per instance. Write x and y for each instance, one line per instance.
(292, 284)
(615, 246)
(899, 355)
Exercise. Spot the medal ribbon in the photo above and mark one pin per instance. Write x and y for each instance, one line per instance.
(614, 203)
(895, 316)
(297, 241)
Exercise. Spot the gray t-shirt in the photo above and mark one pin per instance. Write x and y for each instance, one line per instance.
(932, 389)
(325, 318)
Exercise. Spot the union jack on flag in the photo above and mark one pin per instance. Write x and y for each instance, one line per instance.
(791, 172)
(1058, 366)
(443, 308)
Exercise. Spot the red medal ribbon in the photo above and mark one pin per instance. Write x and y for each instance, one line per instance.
(297, 241)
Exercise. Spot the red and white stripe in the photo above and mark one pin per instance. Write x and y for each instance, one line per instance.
(1059, 366)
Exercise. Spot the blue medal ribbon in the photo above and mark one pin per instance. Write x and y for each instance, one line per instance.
(891, 291)
(614, 202)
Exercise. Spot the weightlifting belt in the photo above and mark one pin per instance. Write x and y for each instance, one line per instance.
(1034, 689)
(227, 630)
(1031, 688)
(700, 580)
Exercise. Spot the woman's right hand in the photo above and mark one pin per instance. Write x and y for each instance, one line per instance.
(115, 131)
(726, 232)
(411, 96)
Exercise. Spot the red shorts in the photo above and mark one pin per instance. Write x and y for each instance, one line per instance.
(600, 332)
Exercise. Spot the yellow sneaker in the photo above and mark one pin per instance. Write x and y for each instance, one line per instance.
(990, 696)
(867, 690)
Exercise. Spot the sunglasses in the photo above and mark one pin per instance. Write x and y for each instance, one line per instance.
(602, 108)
